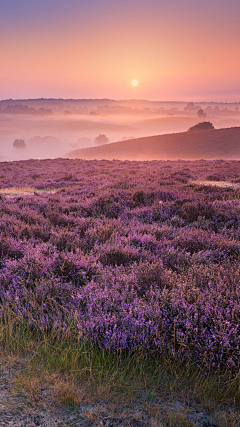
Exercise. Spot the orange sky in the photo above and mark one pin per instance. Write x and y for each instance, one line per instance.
(78, 49)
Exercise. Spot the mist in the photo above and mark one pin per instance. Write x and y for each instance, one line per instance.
(54, 128)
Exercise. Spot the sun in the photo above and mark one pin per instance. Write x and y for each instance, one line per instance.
(134, 82)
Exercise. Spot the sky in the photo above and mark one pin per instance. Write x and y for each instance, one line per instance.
(182, 50)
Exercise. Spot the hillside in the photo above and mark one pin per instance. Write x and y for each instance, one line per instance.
(211, 144)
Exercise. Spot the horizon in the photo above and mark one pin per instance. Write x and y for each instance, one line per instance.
(194, 101)
(130, 50)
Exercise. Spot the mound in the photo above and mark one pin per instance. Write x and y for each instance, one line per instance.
(204, 144)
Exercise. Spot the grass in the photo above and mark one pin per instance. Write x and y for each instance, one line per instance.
(21, 191)
(75, 371)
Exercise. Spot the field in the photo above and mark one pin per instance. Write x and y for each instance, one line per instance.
(124, 262)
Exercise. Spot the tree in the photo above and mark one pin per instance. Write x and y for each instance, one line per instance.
(201, 113)
(201, 126)
(190, 106)
(101, 139)
(19, 143)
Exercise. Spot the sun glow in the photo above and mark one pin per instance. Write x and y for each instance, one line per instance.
(134, 82)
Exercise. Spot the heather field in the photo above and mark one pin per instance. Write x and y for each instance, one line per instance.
(129, 258)
(137, 256)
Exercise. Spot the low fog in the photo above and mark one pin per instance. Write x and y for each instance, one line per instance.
(53, 128)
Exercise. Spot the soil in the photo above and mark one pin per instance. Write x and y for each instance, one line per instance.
(21, 409)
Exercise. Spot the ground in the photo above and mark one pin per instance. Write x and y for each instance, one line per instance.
(34, 403)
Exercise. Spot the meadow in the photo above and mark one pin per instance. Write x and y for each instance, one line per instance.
(133, 259)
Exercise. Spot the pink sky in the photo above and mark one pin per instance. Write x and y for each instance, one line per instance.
(178, 50)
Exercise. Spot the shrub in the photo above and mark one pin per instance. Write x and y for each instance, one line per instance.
(201, 126)
(19, 143)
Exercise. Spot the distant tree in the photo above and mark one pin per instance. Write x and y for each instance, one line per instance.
(19, 143)
(45, 112)
(190, 106)
(201, 113)
(201, 126)
(20, 109)
(101, 139)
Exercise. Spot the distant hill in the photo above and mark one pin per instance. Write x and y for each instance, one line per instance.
(207, 144)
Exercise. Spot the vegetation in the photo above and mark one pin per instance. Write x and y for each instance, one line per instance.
(201, 113)
(75, 372)
(19, 143)
(201, 126)
(130, 270)
(101, 139)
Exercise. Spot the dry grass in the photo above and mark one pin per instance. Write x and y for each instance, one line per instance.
(24, 191)
(65, 371)
(220, 184)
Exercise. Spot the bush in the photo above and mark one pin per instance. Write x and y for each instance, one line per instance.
(19, 143)
(101, 139)
(201, 126)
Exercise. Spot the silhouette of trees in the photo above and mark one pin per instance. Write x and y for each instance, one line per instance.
(201, 126)
(201, 113)
(25, 110)
(101, 139)
(191, 107)
(19, 143)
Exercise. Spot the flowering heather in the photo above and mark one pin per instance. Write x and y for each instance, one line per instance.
(136, 253)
